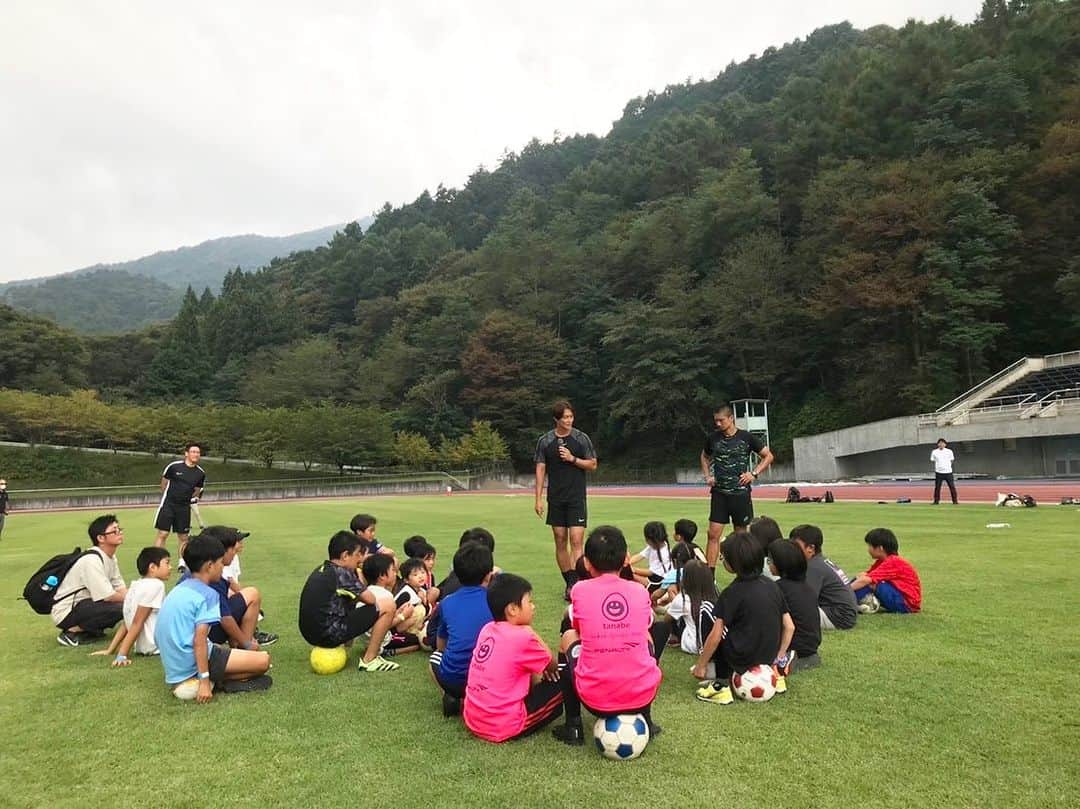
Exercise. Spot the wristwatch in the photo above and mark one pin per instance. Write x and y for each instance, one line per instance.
(203, 675)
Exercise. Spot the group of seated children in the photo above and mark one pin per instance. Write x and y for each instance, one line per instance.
(783, 595)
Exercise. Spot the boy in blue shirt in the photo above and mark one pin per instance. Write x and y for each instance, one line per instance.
(464, 614)
(193, 665)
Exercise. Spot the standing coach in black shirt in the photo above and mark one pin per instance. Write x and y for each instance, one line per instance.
(181, 485)
(563, 456)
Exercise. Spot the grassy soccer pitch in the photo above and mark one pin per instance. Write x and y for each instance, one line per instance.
(971, 703)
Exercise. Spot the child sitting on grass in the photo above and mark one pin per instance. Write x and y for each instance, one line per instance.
(513, 687)
(413, 577)
(417, 547)
(464, 614)
(751, 626)
(891, 584)
(141, 606)
(691, 610)
(608, 660)
(182, 633)
(380, 573)
(335, 607)
(685, 531)
(657, 553)
(788, 562)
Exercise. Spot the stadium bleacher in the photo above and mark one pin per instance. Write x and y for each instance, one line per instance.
(1038, 385)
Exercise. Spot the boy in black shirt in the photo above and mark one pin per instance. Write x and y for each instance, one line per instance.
(787, 561)
(750, 618)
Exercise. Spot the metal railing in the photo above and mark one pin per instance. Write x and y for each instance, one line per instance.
(983, 385)
(1062, 359)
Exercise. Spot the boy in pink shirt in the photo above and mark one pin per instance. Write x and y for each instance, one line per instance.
(891, 584)
(513, 687)
(608, 660)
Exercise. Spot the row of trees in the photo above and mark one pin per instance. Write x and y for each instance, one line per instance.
(337, 435)
(855, 226)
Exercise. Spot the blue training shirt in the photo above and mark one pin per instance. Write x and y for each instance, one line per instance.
(189, 604)
(464, 614)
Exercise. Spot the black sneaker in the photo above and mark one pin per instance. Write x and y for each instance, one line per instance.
(66, 638)
(265, 638)
(451, 705)
(654, 730)
(260, 683)
(571, 734)
(566, 593)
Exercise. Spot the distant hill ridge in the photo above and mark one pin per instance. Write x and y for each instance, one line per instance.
(109, 298)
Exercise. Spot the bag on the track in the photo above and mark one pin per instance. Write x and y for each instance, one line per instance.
(1028, 501)
(40, 591)
(793, 495)
(829, 497)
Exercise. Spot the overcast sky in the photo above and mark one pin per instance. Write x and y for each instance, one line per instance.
(131, 127)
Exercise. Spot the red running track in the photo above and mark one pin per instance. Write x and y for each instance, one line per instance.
(968, 491)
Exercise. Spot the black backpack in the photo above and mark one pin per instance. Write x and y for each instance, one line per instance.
(829, 497)
(793, 495)
(39, 592)
(1028, 501)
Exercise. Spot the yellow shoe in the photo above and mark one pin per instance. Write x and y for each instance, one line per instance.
(716, 695)
(781, 684)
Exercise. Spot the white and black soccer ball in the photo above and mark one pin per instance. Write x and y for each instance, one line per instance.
(756, 684)
(621, 737)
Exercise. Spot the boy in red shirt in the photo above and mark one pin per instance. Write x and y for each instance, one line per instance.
(891, 584)
(513, 687)
(608, 659)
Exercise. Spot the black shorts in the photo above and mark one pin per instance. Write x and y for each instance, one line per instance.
(175, 517)
(736, 508)
(567, 515)
(454, 689)
(358, 620)
(567, 672)
(219, 660)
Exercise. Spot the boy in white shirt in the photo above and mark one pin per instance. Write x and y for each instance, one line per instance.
(942, 458)
(141, 605)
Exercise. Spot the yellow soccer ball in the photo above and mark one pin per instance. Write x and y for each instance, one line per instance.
(328, 661)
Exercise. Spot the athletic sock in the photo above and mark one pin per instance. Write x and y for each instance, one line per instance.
(568, 577)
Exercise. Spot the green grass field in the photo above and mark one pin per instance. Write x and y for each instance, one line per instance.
(971, 703)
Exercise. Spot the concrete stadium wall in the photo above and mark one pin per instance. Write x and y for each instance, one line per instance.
(902, 446)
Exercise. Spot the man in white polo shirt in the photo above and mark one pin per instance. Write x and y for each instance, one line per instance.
(942, 458)
(90, 599)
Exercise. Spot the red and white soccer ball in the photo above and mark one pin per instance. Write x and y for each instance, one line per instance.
(757, 684)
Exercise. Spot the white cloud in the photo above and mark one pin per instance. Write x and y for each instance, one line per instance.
(129, 127)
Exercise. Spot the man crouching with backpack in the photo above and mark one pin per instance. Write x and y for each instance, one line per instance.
(90, 599)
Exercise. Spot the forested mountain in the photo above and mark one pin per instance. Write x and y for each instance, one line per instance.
(855, 225)
(110, 298)
(99, 302)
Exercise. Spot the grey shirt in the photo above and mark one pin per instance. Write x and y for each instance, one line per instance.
(833, 595)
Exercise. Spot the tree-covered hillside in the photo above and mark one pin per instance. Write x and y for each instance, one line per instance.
(855, 225)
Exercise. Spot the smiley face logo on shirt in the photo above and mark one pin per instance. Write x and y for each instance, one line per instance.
(615, 607)
(484, 650)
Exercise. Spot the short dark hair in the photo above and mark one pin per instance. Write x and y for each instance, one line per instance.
(687, 529)
(942, 441)
(472, 562)
(561, 407)
(201, 550)
(99, 526)
(885, 539)
(409, 565)
(765, 530)
(504, 590)
(724, 408)
(789, 560)
(190, 444)
(478, 534)
(341, 543)
(376, 565)
(150, 556)
(744, 555)
(606, 548)
(417, 547)
(810, 535)
(361, 522)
